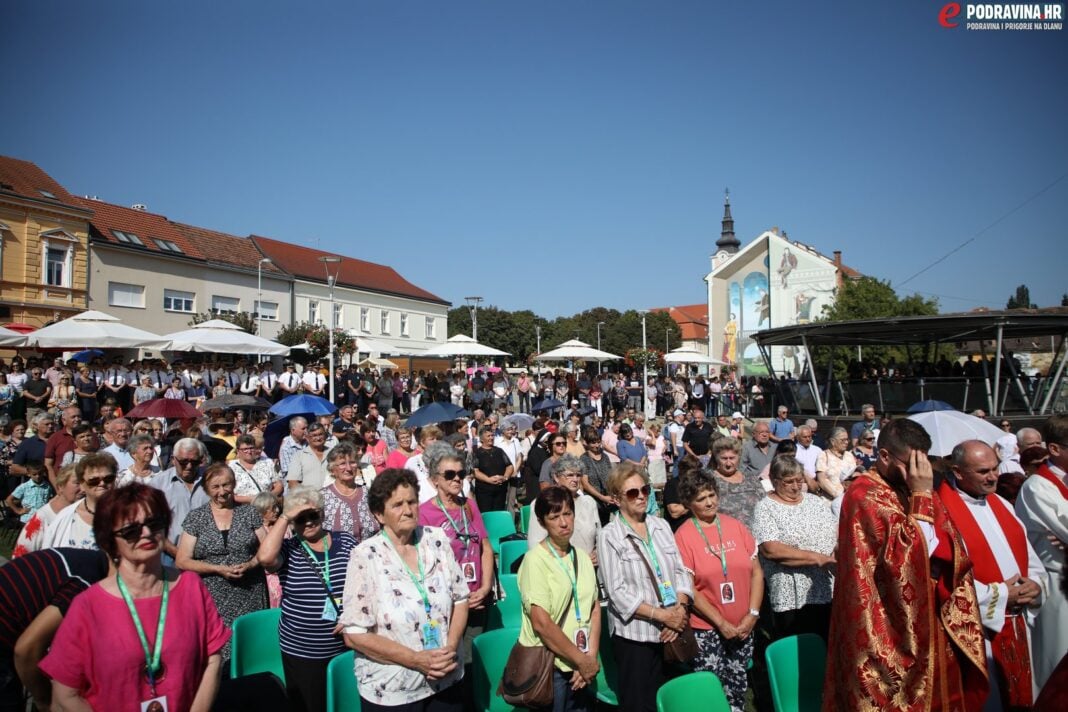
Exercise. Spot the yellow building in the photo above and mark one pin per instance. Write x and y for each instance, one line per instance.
(43, 247)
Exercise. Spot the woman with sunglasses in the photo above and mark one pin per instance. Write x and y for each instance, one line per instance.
(864, 453)
(648, 588)
(73, 526)
(64, 394)
(557, 443)
(220, 541)
(312, 566)
(145, 637)
(345, 498)
(569, 472)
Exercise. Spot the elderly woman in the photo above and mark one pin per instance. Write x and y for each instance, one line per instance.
(73, 525)
(836, 465)
(405, 606)
(68, 491)
(797, 534)
(568, 472)
(629, 447)
(389, 429)
(648, 587)
(864, 453)
(728, 584)
(12, 435)
(560, 607)
(145, 391)
(311, 565)
(345, 499)
(738, 494)
(101, 657)
(574, 440)
(142, 448)
(253, 474)
(219, 541)
(85, 442)
(405, 450)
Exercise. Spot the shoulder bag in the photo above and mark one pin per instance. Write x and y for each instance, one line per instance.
(684, 648)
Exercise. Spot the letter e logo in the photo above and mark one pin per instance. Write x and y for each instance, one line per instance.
(947, 13)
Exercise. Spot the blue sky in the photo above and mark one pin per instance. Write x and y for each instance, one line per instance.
(559, 156)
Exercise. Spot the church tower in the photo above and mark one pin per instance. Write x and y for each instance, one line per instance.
(727, 245)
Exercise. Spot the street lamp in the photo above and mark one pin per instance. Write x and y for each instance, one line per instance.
(537, 332)
(667, 339)
(599, 325)
(645, 366)
(259, 294)
(328, 260)
(473, 303)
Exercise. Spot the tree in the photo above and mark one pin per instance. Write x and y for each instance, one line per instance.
(318, 340)
(1022, 299)
(245, 320)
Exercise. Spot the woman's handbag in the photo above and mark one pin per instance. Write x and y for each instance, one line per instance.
(684, 648)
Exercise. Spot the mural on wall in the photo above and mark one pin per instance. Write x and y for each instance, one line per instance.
(756, 315)
(803, 284)
(730, 330)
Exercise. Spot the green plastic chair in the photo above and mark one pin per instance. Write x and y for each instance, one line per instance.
(511, 552)
(605, 684)
(498, 525)
(255, 645)
(489, 654)
(342, 694)
(507, 612)
(795, 672)
(524, 518)
(698, 690)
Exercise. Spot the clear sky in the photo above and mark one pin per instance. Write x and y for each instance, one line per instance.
(562, 155)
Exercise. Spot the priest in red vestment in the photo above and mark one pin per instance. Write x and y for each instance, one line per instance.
(905, 629)
(1010, 580)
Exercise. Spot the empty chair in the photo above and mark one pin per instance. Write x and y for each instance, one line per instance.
(605, 684)
(795, 672)
(698, 690)
(507, 611)
(489, 653)
(524, 518)
(255, 644)
(511, 552)
(498, 525)
(342, 694)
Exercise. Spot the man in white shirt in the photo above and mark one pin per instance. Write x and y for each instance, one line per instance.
(232, 379)
(268, 381)
(314, 382)
(807, 453)
(250, 384)
(115, 381)
(119, 431)
(289, 382)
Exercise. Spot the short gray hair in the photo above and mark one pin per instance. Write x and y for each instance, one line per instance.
(339, 451)
(438, 452)
(187, 444)
(138, 440)
(568, 463)
(838, 432)
(296, 422)
(302, 495)
(43, 416)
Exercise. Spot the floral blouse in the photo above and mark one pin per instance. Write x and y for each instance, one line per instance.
(380, 597)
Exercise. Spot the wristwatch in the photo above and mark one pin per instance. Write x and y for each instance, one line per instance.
(754, 612)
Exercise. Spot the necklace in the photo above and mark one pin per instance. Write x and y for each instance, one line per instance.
(85, 503)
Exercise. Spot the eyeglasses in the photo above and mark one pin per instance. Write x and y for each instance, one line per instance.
(249, 448)
(307, 518)
(97, 481)
(187, 463)
(450, 475)
(132, 532)
(559, 443)
(634, 492)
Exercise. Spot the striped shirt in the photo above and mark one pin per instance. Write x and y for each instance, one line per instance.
(626, 580)
(302, 631)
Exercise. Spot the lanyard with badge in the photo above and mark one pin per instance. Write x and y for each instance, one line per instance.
(465, 536)
(332, 604)
(726, 589)
(154, 670)
(431, 630)
(582, 632)
(667, 590)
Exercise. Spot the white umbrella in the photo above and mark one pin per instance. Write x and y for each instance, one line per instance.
(691, 356)
(11, 338)
(949, 428)
(93, 329)
(575, 350)
(461, 345)
(376, 363)
(221, 337)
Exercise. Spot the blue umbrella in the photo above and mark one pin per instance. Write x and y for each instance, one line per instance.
(87, 355)
(436, 412)
(277, 430)
(547, 404)
(927, 406)
(301, 404)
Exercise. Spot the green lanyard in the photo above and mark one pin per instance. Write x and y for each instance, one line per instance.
(570, 577)
(325, 570)
(420, 582)
(648, 547)
(152, 664)
(465, 535)
(722, 552)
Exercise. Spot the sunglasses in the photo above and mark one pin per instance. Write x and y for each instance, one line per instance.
(450, 475)
(307, 518)
(559, 443)
(97, 481)
(132, 532)
(187, 463)
(634, 492)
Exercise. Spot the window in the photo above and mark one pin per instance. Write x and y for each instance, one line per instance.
(313, 311)
(126, 295)
(385, 322)
(225, 305)
(268, 311)
(168, 246)
(365, 319)
(430, 330)
(47, 194)
(337, 315)
(56, 273)
(173, 300)
(128, 237)
(404, 324)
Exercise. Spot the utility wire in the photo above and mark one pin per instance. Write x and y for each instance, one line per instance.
(977, 235)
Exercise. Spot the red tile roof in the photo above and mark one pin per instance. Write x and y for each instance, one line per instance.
(147, 226)
(692, 320)
(225, 249)
(304, 262)
(28, 180)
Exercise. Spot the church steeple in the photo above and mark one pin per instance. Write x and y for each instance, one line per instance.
(727, 242)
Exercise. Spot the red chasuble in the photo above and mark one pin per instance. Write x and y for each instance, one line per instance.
(1047, 474)
(905, 629)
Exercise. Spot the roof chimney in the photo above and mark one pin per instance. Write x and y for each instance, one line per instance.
(839, 277)
(141, 207)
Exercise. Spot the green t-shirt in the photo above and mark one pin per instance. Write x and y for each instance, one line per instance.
(544, 582)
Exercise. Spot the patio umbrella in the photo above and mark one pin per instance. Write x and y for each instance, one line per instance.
(301, 403)
(926, 406)
(691, 356)
(94, 329)
(376, 363)
(234, 400)
(575, 350)
(461, 345)
(170, 408)
(9, 337)
(949, 428)
(547, 404)
(436, 412)
(221, 337)
(522, 421)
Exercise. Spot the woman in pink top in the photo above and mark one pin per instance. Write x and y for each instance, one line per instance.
(728, 584)
(405, 450)
(145, 637)
(375, 449)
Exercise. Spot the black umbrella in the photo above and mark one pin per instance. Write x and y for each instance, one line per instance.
(234, 400)
(547, 404)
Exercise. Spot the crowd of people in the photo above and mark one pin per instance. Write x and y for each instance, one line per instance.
(697, 542)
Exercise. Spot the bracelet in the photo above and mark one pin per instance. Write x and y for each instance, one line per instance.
(754, 612)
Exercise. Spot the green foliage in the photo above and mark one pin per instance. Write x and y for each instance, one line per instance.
(1022, 299)
(244, 320)
(318, 339)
